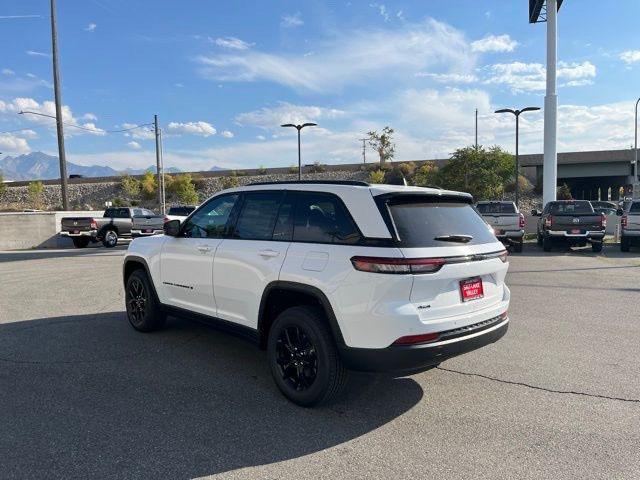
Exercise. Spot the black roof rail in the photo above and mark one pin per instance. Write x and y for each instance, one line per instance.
(354, 183)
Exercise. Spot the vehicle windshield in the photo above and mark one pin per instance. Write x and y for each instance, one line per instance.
(496, 207)
(181, 211)
(570, 208)
(425, 223)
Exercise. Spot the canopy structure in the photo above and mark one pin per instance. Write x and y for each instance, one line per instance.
(538, 10)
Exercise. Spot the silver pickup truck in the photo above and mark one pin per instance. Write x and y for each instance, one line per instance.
(630, 226)
(505, 219)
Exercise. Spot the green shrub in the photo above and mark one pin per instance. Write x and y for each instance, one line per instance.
(230, 182)
(426, 175)
(35, 191)
(376, 176)
(293, 169)
(564, 192)
(130, 186)
(262, 170)
(183, 189)
(3, 187)
(524, 185)
(148, 185)
(317, 167)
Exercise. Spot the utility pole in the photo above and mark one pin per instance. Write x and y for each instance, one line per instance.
(159, 175)
(635, 193)
(550, 164)
(364, 150)
(163, 191)
(476, 129)
(58, 101)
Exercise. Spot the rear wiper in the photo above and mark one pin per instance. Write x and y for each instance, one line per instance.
(454, 238)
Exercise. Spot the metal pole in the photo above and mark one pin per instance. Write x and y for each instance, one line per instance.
(164, 192)
(550, 174)
(299, 157)
(635, 163)
(476, 129)
(58, 101)
(157, 132)
(364, 150)
(517, 159)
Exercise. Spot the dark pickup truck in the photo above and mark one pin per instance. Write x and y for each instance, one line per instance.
(128, 222)
(571, 222)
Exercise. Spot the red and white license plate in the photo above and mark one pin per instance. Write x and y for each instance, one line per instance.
(75, 232)
(471, 289)
(147, 230)
(576, 230)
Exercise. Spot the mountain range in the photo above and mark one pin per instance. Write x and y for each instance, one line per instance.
(40, 166)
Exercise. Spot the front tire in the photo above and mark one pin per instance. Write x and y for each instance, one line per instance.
(143, 310)
(546, 244)
(539, 239)
(303, 357)
(80, 242)
(110, 239)
(596, 246)
(625, 245)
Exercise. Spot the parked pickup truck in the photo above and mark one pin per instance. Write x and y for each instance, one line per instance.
(630, 226)
(572, 222)
(116, 223)
(179, 212)
(505, 219)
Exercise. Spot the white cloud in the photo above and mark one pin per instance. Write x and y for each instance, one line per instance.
(356, 57)
(200, 128)
(382, 10)
(11, 143)
(232, 43)
(90, 116)
(261, 137)
(494, 43)
(142, 133)
(630, 56)
(273, 117)
(90, 28)
(8, 71)
(449, 77)
(521, 77)
(227, 134)
(34, 53)
(292, 20)
(134, 145)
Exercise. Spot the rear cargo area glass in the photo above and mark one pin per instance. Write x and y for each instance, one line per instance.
(418, 224)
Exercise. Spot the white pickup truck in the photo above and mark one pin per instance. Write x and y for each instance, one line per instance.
(630, 226)
(505, 219)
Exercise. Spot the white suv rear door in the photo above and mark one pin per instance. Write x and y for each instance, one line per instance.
(186, 261)
(253, 254)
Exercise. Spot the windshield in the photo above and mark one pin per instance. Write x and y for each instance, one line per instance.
(570, 208)
(497, 207)
(438, 224)
(181, 211)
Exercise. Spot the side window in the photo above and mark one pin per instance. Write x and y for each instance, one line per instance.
(211, 219)
(322, 218)
(138, 212)
(283, 230)
(258, 215)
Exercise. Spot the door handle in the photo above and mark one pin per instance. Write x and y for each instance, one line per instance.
(268, 253)
(203, 248)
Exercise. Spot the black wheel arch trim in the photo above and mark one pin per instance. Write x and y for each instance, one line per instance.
(140, 261)
(303, 288)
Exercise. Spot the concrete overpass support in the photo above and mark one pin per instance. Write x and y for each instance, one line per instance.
(551, 107)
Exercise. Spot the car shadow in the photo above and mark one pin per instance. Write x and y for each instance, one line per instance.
(88, 397)
(22, 255)
(610, 250)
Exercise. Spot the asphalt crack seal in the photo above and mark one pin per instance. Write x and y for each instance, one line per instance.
(535, 387)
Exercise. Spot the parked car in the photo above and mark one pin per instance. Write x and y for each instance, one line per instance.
(148, 223)
(115, 223)
(572, 223)
(607, 208)
(327, 277)
(505, 219)
(630, 226)
(180, 212)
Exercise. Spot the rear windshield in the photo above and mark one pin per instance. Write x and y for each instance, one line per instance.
(485, 208)
(419, 224)
(635, 207)
(181, 211)
(570, 208)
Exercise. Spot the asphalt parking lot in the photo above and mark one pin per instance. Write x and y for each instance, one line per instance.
(82, 395)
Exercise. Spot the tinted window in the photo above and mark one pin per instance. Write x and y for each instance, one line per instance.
(418, 224)
(497, 208)
(322, 218)
(635, 207)
(258, 215)
(284, 223)
(570, 208)
(181, 211)
(211, 219)
(117, 213)
(137, 212)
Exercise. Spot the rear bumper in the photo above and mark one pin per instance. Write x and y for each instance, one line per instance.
(510, 235)
(140, 233)
(408, 359)
(86, 233)
(596, 235)
(631, 233)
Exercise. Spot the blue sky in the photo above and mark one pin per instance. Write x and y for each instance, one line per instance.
(223, 75)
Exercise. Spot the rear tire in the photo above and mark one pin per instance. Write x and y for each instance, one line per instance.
(596, 246)
(110, 239)
(625, 245)
(517, 247)
(80, 242)
(539, 239)
(546, 244)
(303, 357)
(143, 309)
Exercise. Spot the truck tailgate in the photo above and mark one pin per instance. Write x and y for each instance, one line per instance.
(509, 221)
(576, 223)
(147, 223)
(81, 224)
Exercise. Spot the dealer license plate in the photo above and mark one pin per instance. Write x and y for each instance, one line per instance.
(471, 289)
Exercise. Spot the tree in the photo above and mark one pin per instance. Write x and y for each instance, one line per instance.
(35, 191)
(376, 176)
(148, 185)
(483, 173)
(383, 143)
(563, 192)
(426, 175)
(524, 185)
(130, 186)
(183, 189)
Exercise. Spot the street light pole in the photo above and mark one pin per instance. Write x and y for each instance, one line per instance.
(476, 129)
(364, 150)
(298, 128)
(158, 173)
(635, 148)
(517, 115)
(58, 102)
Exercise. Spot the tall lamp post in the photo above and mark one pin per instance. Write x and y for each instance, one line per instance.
(517, 115)
(635, 148)
(299, 127)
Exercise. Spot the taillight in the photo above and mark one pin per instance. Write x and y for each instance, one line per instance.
(417, 339)
(603, 220)
(623, 221)
(93, 225)
(522, 221)
(548, 221)
(503, 256)
(397, 265)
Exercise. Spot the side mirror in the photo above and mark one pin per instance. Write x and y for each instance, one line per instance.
(619, 212)
(171, 228)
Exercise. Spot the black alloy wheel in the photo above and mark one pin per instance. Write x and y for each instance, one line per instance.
(137, 300)
(297, 358)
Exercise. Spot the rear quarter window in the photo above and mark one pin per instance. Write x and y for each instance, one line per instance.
(496, 208)
(419, 223)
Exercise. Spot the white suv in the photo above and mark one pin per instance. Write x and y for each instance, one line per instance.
(329, 276)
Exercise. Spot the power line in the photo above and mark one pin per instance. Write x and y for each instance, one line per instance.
(94, 130)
